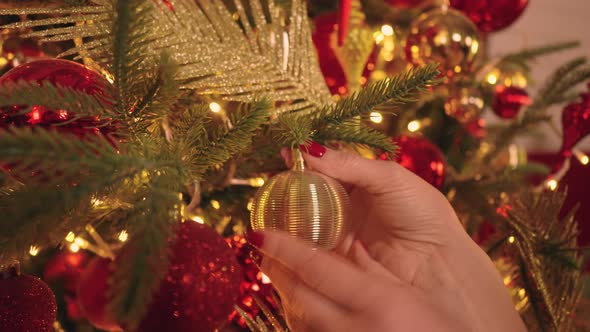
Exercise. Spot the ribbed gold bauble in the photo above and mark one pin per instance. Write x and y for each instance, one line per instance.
(305, 204)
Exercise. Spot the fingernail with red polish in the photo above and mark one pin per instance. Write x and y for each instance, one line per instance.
(255, 238)
(314, 149)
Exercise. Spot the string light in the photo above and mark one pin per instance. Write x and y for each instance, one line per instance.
(198, 219)
(551, 184)
(123, 236)
(511, 239)
(215, 107)
(215, 204)
(581, 156)
(376, 117)
(33, 250)
(74, 248)
(256, 182)
(414, 126)
(387, 30)
(70, 237)
(96, 202)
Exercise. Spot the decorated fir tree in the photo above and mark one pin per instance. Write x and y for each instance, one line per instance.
(130, 167)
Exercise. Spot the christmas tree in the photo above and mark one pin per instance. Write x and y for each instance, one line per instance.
(132, 170)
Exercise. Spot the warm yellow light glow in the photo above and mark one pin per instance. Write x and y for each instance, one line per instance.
(492, 79)
(378, 36)
(79, 241)
(256, 182)
(198, 219)
(70, 237)
(387, 30)
(74, 247)
(551, 184)
(511, 239)
(584, 160)
(215, 107)
(33, 250)
(215, 204)
(123, 236)
(250, 205)
(96, 202)
(414, 126)
(507, 280)
(376, 117)
(521, 292)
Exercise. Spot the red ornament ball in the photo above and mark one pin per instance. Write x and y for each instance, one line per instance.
(325, 26)
(63, 73)
(491, 15)
(575, 121)
(254, 283)
(202, 284)
(508, 101)
(66, 267)
(92, 294)
(422, 157)
(405, 3)
(26, 303)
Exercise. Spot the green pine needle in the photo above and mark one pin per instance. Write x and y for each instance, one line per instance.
(356, 134)
(401, 88)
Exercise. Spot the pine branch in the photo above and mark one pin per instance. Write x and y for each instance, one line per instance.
(246, 122)
(142, 265)
(533, 53)
(70, 172)
(356, 134)
(57, 98)
(401, 88)
(543, 243)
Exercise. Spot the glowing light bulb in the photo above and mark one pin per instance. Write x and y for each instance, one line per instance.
(74, 248)
(70, 237)
(387, 30)
(551, 184)
(376, 117)
(198, 219)
(414, 126)
(256, 182)
(123, 236)
(511, 239)
(215, 107)
(215, 204)
(33, 250)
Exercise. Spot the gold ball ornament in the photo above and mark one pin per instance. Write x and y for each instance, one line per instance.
(446, 36)
(308, 205)
(507, 75)
(465, 103)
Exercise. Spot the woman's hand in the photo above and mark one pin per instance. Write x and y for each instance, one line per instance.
(420, 271)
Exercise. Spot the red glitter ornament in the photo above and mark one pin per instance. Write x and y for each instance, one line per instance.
(64, 73)
(575, 121)
(491, 15)
(508, 101)
(26, 303)
(423, 158)
(92, 294)
(202, 284)
(67, 74)
(254, 281)
(325, 26)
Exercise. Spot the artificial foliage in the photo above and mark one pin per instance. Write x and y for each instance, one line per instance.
(204, 94)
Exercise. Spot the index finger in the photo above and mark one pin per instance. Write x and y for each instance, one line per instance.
(325, 272)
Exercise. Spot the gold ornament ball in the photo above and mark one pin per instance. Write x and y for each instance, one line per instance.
(308, 205)
(465, 103)
(507, 75)
(445, 36)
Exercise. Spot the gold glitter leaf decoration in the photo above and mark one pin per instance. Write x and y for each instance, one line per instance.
(221, 51)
